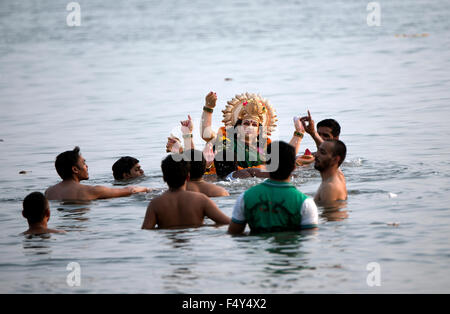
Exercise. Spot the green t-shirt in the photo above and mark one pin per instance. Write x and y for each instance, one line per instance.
(275, 206)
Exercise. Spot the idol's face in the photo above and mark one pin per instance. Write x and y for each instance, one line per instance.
(249, 129)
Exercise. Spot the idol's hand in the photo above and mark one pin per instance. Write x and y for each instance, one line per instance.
(210, 100)
(187, 126)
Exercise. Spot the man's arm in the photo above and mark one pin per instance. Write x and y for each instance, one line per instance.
(213, 212)
(298, 135)
(238, 223)
(150, 218)
(103, 192)
(258, 172)
(310, 214)
(186, 128)
(235, 228)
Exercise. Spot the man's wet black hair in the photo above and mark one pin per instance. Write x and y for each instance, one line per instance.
(332, 124)
(34, 207)
(339, 149)
(123, 165)
(65, 161)
(175, 173)
(286, 159)
(197, 163)
(224, 166)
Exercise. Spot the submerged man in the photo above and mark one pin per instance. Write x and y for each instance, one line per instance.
(329, 157)
(275, 204)
(127, 168)
(72, 169)
(177, 207)
(197, 168)
(37, 212)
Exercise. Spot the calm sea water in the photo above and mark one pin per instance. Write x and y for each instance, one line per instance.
(119, 85)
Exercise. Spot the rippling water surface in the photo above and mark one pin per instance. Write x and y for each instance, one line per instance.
(118, 85)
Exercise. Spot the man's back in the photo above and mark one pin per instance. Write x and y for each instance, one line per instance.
(181, 209)
(68, 191)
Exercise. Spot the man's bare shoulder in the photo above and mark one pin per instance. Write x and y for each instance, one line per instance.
(42, 232)
(192, 186)
(215, 190)
(194, 195)
(69, 191)
(209, 189)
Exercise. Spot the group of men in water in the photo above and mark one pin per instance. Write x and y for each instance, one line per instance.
(241, 149)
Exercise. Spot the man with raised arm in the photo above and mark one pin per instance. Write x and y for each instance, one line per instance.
(177, 207)
(72, 169)
(328, 129)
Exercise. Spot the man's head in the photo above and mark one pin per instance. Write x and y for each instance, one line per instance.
(285, 154)
(224, 166)
(36, 208)
(175, 173)
(71, 165)
(329, 129)
(330, 154)
(127, 168)
(197, 164)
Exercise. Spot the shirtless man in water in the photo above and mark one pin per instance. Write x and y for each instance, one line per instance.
(177, 207)
(197, 167)
(37, 211)
(72, 169)
(329, 157)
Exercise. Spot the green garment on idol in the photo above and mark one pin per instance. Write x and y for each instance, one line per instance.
(252, 156)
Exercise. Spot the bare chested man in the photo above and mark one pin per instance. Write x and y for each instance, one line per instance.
(72, 169)
(177, 207)
(329, 157)
(37, 211)
(197, 167)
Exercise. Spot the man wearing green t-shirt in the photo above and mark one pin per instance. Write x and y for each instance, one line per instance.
(275, 204)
